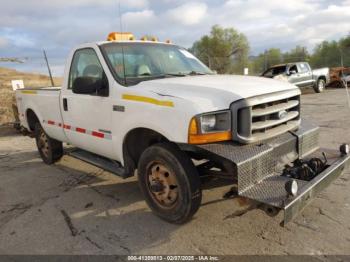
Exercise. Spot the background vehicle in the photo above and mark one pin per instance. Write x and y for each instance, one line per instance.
(339, 76)
(301, 75)
(152, 108)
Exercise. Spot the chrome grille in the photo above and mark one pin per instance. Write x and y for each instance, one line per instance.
(259, 118)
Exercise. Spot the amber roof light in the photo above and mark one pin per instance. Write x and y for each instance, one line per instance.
(120, 36)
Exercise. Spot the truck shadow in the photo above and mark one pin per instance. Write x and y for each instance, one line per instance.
(108, 212)
(7, 130)
(14, 160)
(117, 221)
(125, 221)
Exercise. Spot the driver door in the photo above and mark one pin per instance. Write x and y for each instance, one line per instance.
(293, 75)
(305, 74)
(87, 116)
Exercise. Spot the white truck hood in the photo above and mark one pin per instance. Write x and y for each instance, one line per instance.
(215, 92)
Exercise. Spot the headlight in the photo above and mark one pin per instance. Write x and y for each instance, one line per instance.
(208, 123)
(210, 127)
(215, 122)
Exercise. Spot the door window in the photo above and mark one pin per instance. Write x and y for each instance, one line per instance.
(293, 68)
(86, 67)
(303, 68)
(274, 71)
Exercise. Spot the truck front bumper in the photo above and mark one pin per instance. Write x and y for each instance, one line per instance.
(258, 168)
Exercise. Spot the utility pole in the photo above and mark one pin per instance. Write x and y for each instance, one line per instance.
(48, 68)
(209, 61)
(341, 58)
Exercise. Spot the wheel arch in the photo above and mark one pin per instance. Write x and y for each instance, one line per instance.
(32, 119)
(322, 77)
(134, 144)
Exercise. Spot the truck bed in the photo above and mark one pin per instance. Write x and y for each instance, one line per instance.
(45, 102)
(45, 88)
(321, 72)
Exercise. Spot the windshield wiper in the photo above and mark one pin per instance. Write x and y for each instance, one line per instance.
(174, 74)
(180, 74)
(194, 73)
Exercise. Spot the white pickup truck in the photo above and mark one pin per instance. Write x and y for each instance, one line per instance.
(153, 109)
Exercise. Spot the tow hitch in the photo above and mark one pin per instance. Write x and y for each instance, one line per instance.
(332, 170)
(306, 169)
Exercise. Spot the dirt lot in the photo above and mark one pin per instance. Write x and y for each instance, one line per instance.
(74, 208)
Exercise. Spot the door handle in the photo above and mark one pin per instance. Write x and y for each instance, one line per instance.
(65, 104)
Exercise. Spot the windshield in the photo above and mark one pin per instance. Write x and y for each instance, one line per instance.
(146, 61)
(273, 71)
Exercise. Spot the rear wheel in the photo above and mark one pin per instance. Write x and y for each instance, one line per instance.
(170, 183)
(49, 149)
(320, 86)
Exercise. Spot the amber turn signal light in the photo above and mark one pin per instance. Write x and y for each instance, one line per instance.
(195, 138)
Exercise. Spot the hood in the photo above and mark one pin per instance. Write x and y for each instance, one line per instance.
(215, 91)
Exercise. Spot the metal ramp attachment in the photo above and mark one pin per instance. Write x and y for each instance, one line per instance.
(259, 168)
(271, 190)
(107, 164)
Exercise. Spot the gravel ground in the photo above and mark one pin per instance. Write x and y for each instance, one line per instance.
(74, 208)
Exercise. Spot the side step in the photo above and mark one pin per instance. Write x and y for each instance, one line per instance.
(107, 164)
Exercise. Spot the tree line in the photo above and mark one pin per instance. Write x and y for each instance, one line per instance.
(226, 50)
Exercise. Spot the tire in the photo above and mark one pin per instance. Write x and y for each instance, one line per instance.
(320, 85)
(169, 182)
(49, 149)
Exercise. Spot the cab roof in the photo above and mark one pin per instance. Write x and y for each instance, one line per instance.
(286, 64)
(133, 41)
(128, 37)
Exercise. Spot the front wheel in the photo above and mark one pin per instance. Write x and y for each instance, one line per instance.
(169, 182)
(49, 149)
(320, 86)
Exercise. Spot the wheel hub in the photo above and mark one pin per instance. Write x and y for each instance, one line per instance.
(163, 185)
(157, 187)
(43, 144)
(320, 85)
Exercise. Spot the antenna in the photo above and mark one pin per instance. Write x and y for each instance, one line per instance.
(120, 18)
(48, 68)
(122, 45)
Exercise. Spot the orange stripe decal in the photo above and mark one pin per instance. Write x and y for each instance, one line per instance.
(50, 122)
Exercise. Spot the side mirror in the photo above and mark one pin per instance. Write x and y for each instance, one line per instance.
(84, 85)
(103, 88)
(88, 85)
(292, 72)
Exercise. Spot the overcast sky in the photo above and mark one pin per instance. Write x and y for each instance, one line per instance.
(28, 26)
